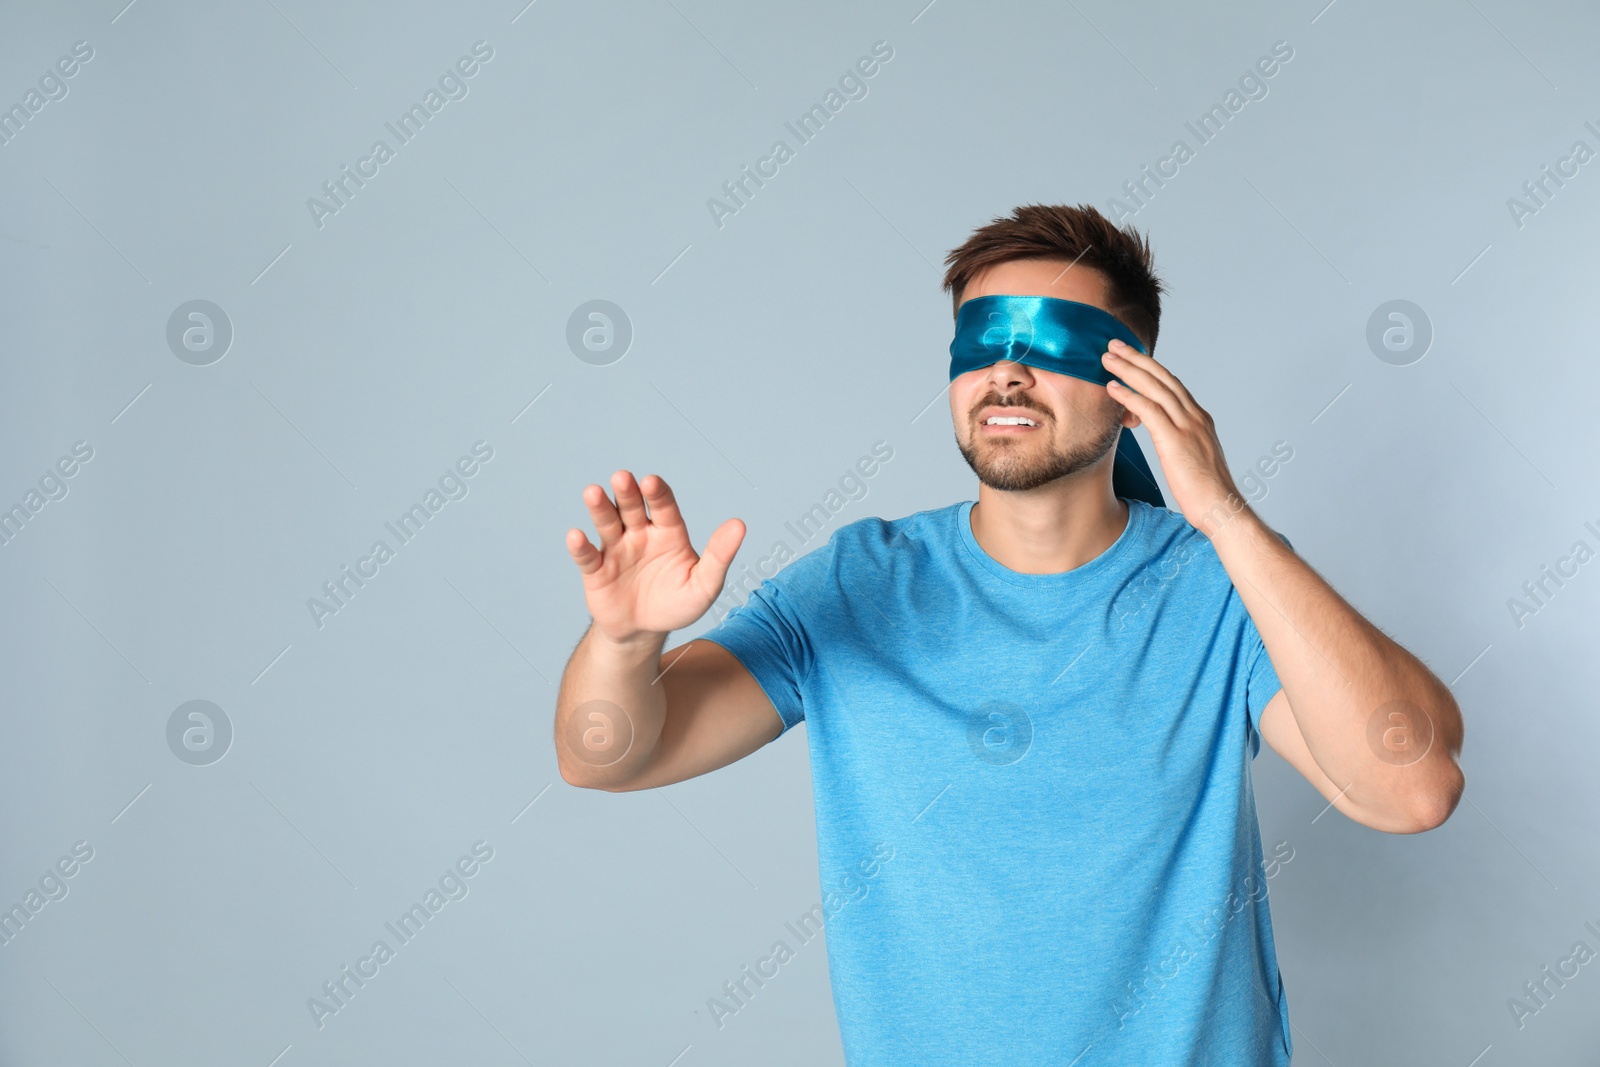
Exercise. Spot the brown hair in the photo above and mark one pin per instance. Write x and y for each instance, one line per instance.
(1080, 235)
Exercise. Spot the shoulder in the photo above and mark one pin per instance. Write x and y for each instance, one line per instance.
(871, 533)
(1167, 537)
(1165, 528)
(875, 546)
(1171, 546)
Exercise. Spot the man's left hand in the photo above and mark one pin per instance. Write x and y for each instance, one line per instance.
(1184, 435)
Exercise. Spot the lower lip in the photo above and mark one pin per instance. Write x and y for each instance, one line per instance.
(987, 428)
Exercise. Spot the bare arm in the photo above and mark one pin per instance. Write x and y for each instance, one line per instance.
(629, 716)
(706, 711)
(1368, 724)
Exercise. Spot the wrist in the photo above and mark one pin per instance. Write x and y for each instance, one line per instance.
(1224, 515)
(637, 646)
(1242, 533)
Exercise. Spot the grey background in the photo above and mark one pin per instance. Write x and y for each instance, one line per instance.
(767, 355)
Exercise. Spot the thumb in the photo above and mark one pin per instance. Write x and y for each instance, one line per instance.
(712, 570)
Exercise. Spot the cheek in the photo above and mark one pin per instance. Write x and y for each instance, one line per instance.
(1098, 398)
(963, 394)
(1077, 403)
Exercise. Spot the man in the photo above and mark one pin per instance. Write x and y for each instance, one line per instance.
(1042, 704)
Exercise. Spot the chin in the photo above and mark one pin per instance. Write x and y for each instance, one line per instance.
(1014, 473)
(1015, 467)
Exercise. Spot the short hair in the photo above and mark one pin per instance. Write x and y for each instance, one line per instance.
(1080, 235)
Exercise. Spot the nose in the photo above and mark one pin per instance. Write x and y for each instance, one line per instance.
(1007, 374)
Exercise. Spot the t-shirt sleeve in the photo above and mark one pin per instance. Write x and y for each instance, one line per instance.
(767, 635)
(1261, 680)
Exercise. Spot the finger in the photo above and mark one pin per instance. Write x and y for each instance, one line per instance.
(585, 555)
(1152, 414)
(629, 503)
(663, 505)
(1154, 366)
(712, 570)
(606, 521)
(1146, 384)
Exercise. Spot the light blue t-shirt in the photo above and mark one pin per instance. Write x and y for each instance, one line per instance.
(1036, 830)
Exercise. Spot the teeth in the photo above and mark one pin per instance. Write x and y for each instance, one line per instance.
(1013, 420)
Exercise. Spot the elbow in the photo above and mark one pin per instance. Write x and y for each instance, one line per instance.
(583, 776)
(1431, 810)
(573, 773)
(576, 777)
(1436, 782)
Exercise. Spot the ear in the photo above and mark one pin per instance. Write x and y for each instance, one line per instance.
(1129, 419)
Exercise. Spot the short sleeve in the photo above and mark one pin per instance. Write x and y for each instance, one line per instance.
(1261, 679)
(765, 633)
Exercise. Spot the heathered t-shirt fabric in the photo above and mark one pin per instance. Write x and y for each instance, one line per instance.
(1057, 766)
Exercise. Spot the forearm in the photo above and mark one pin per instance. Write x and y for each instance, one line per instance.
(1378, 723)
(609, 709)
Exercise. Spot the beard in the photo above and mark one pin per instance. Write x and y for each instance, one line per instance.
(1018, 465)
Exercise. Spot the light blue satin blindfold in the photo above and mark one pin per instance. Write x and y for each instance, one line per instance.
(1063, 336)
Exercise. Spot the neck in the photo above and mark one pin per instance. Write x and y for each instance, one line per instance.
(1057, 527)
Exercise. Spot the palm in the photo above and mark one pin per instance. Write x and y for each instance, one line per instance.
(646, 581)
(646, 576)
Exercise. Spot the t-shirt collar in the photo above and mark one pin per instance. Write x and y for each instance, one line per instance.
(1137, 510)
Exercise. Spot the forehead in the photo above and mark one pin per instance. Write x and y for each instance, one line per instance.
(1039, 277)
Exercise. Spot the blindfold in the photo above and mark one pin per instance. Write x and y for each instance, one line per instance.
(1063, 336)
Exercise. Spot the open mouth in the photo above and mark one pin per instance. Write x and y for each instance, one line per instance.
(1009, 424)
